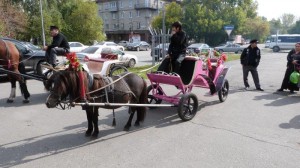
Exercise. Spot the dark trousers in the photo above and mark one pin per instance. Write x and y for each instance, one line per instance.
(254, 73)
(286, 84)
(171, 64)
(52, 53)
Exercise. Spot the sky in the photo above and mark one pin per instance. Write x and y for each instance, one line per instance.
(275, 8)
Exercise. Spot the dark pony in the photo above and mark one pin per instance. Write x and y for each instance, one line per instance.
(10, 60)
(130, 89)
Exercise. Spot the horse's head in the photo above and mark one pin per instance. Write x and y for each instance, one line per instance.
(60, 86)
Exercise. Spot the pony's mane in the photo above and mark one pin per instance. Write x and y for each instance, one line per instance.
(68, 78)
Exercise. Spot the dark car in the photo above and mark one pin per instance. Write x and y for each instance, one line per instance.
(138, 46)
(158, 50)
(32, 56)
(236, 48)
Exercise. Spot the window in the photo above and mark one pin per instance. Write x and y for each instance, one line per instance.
(107, 26)
(137, 13)
(113, 15)
(105, 16)
(115, 26)
(121, 4)
(130, 3)
(122, 25)
(106, 6)
(122, 14)
(130, 14)
(113, 4)
(138, 25)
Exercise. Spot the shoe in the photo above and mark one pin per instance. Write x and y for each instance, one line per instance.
(279, 90)
(246, 88)
(292, 92)
(260, 89)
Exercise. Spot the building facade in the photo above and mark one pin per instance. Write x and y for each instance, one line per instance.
(128, 20)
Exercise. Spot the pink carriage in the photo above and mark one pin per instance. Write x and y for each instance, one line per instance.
(194, 72)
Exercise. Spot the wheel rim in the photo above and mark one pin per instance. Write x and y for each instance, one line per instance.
(188, 108)
(224, 90)
(131, 63)
(150, 97)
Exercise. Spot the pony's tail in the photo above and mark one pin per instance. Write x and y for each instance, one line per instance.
(141, 111)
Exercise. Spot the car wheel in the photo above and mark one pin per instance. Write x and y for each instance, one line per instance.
(276, 49)
(121, 49)
(147, 48)
(131, 63)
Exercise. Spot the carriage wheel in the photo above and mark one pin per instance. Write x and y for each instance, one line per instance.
(117, 70)
(223, 93)
(151, 99)
(188, 106)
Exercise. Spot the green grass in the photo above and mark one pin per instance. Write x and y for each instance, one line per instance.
(137, 70)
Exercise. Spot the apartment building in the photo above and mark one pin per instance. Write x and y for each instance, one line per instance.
(128, 19)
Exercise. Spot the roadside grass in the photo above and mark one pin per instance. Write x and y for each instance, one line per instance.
(137, 70)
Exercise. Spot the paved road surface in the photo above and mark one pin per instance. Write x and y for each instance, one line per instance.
(251, 129)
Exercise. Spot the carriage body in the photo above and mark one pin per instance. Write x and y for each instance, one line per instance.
(194, 72)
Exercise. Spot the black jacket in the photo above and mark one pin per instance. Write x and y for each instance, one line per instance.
(59, 41)
(178, 44)
(250, 56)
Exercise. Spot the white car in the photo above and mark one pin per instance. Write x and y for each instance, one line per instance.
(98, 51)
(112, 45)
(77, 47)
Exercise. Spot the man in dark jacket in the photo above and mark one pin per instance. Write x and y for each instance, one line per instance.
(250, 58)
(59, 46)
(176, 51)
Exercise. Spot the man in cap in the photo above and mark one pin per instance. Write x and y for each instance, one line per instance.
(59, 46)
(176, 51)
(250, 58)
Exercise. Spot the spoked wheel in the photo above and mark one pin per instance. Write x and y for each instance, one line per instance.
(151, 99)
(117, 70)
(223, 93)
(188, 106)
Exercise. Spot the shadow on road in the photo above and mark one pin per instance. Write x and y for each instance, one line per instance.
(293, 123)
(279, 99)
(39, 98)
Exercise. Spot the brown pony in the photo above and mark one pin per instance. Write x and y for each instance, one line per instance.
(130, 89)
(10, 60)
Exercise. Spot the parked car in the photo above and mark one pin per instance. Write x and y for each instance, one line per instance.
(123, 43)
(32, 56)
(77, 46)
(94, 52)
(197, 47)
(158, 51)
(111, 45)
(137, 46)
(236, 48)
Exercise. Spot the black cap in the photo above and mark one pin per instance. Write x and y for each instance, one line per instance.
(53, 28)
(253, 41)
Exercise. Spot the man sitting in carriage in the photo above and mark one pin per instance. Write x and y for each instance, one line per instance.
(176, 51)
(59, 46)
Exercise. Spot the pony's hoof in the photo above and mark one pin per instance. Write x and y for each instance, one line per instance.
(88, 133)
(95, 134)
(137, 124)
(25, 101)
(9, 101)
(126, 128)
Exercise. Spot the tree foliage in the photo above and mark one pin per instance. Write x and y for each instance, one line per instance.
(295, 29)
(287, 21)
(259, 28)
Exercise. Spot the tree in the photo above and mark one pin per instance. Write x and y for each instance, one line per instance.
(259, 29)
(295, 29)
(90, 27)
(275, 25)
(173, 13)
(287, 21)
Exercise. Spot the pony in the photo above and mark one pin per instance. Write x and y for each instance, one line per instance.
(10, 60)
(131, 88)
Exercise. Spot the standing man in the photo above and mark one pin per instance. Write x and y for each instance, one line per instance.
(176, 51)
(250, 58)
(59, 46)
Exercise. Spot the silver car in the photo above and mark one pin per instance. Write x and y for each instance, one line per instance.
(236, 48)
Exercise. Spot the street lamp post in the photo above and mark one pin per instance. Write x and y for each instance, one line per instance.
(42, 18)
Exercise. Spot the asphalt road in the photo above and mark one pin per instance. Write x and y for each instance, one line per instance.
(250, 129)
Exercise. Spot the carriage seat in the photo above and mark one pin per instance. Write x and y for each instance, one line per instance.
(186, 71)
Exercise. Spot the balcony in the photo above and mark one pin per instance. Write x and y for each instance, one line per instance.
(113, 9)
(146, 6)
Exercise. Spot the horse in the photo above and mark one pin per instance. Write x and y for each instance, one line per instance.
(131, 88)
(10, 60)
